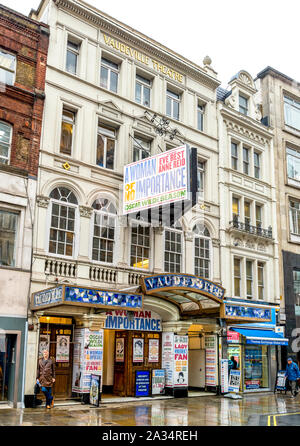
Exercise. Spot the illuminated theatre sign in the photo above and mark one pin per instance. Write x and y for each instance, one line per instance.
(164, 282)
(157, 180)
(69, 295)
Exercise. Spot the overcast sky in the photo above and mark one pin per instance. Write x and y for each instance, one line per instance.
(236, 34)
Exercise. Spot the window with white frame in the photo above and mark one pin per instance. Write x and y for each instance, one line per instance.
(106, 146)
(63, 217)
(247, 213)
(237, 276)
(235, 208)
(173, 249)
(5, 142)
(260, 280)
(234, 156)
(200, 117)
(256, 164)
(104, 232)
(142, 90)
(109, 75)
(246, 161)
(202, 251)
(292, 112)
(140, 246)
(249, 279)
(173, 104)
(243, 105)
(8, 237)
(295, 217)
(7, 67)
(72, 56)
(258, 216)
(141, 149)
(67, 131)
(293, 163)
(200, 176)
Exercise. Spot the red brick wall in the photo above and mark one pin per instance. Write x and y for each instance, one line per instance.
(21, 105)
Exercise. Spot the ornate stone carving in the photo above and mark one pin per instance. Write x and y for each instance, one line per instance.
(42, 201)
(189, 236)
(216, 242)
(245, 79)
(242, 131)
(250, 244)
(85, 211)
(237, 242)
(258, 114)
(261, 247)
(230, 101)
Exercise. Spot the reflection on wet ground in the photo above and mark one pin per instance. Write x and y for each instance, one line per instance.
(203, 411)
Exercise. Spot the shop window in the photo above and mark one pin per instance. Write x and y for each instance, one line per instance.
(141, 149)
(7, 68)
(140, 246)
(104, 230)
(173, 105)
(109, 75)
(142, 90)
(67, 131)
(256, 367)
(173, 249)
(72, 56)
(202, 251)
(5, 142)
(8, 237)
(63, 218)
(106, 146)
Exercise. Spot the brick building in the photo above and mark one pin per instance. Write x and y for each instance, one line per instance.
(23, 58)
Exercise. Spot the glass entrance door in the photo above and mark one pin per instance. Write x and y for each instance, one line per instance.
(7, 366)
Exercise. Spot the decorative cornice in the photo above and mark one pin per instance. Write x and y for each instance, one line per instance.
(85, 211)
(240, 129)
(42, 202)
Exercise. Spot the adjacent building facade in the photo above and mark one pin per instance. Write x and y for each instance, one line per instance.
(23, 59)
(281, 109)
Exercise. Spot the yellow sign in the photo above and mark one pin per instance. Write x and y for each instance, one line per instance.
(134, 54)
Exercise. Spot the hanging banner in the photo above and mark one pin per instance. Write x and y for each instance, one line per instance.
(138, 350)
(234, 381)
(158, 382)
(120, 350)
(87, 358)
(224, 375)
(168, 357)
(211, 361)
(62, 348)
(181, 361)
(153, 350)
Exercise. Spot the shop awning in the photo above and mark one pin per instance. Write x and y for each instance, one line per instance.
(261, 337)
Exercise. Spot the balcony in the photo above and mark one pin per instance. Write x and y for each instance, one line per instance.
(246, 228)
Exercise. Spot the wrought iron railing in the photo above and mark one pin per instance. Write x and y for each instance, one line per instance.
(250, 229)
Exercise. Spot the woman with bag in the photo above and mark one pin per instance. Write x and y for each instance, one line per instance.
(45, 377)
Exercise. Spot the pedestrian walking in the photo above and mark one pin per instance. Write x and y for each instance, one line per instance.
(293, 374)
(46, 377)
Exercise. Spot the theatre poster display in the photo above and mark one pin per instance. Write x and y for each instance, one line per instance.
(120, 352)
(138, 350)
(62, 348)
(153, 350)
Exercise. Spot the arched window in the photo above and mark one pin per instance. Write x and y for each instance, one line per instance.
(202, 251)
(104, 230)
(63, 216)
(173, 249)
(5, 142)
(140, 245)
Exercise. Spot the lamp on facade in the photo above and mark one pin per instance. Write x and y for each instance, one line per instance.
(162, 126)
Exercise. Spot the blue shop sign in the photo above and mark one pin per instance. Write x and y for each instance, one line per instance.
(48, 297)
(107, 298)
(142, 383)
(246, 312)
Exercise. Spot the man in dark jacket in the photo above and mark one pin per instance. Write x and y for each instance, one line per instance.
(292, 373)
(46, 377)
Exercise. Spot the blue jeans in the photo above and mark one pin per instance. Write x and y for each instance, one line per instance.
(47, 392)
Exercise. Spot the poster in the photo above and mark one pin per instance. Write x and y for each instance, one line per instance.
(44, 344)
(281, 380)
(138, 350)
(158, 382)
(211, 361)
(153, 350)
(87, 358)
(224, 375)
(180, 361)
(142, 383)
(168, 357)
(120, 350)
(62, 348)
(95, 390)
(234, 381)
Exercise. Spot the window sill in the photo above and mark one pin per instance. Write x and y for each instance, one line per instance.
(15, 170)
(293, 183)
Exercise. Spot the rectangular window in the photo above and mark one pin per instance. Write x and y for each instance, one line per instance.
(234, 156)
(243, 105)
(296, 277)
(8, 237)
(200, 176)
(260, 280)
(104, 237)
(202, 260)
(109, 75)
(173, 251)
(293, 164)
(140, 247)
(141, 149)
(249, 279)
(247, 213)
(7, 68)
(5, 142)
(142, 90)
(235, 208)
(256, 165)
(67, 132)
(237, 277)
(106, 144)
(246, 161)
(258, 216)
(200, 117)
(295, 217)
(292, 112)
(62, 230)
(72, 57)
(173, 103)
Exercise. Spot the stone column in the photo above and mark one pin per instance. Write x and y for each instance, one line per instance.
(85, 234)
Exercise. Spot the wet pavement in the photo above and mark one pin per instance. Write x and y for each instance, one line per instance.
(253, 410)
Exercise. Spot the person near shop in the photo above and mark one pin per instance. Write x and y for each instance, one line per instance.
(292, 373)
(46, 377)
(232, 364)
